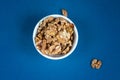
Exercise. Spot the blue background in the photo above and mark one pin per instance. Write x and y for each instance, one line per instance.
(98, 24)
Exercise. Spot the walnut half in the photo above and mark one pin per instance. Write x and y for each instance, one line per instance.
(64, 12)
(96, 63)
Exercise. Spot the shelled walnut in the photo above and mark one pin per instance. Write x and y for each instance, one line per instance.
(96, 63)
(64, 12)
(54, 36)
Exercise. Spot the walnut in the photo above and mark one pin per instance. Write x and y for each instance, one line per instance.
(43, 45)
(69, 43)
(39, 36)
(64, 12)
(50, 18)
(48, 38)
(51, 48)
(96, 63)
(60, 39)
(66, 50)
(51, 32)
(36, 39)
(57, 50)
(57, 20)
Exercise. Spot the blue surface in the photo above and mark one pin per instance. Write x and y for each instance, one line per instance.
(98, 23)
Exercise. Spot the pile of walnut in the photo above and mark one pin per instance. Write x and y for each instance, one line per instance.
(96, 63)
(54, 36)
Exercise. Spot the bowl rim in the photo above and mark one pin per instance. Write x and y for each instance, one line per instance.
(74, 43)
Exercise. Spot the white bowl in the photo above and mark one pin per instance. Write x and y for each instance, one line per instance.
(74, 42)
